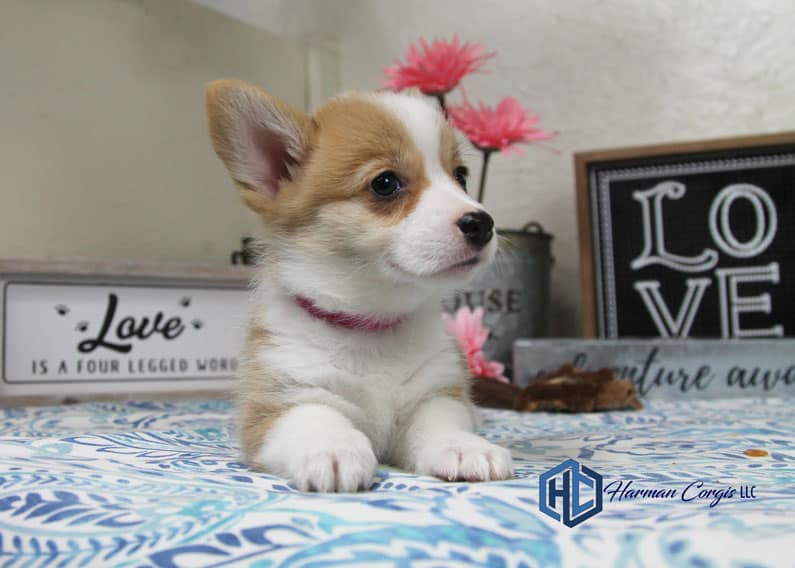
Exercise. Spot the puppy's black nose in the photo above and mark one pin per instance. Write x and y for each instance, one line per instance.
(478, 228)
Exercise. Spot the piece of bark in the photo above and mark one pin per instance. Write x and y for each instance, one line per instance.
(573, 390)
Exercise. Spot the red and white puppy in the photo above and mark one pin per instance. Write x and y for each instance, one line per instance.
(367, 225)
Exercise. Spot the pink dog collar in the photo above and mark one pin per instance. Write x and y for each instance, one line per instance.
(355, 322)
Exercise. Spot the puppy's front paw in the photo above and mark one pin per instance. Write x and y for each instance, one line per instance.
(464, 457)
(338, 461)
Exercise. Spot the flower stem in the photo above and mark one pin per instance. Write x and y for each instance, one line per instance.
(486, 155)
(440, 98)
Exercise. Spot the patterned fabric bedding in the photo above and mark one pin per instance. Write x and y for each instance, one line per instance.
(159, 484)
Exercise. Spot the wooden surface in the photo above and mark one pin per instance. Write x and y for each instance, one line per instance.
(582, 160)
(56, 400)
(585, 239)
(230, 274)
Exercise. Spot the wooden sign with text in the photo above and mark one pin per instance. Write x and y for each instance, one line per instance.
(671, 368)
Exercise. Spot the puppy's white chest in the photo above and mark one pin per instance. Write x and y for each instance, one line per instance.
(376, 380)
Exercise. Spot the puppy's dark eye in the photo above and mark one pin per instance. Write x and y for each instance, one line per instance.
(386, 184)
(461, 173)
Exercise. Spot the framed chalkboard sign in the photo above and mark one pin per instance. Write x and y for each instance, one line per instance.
(689, 240)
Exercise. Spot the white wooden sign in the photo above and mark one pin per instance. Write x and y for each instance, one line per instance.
(63, 336)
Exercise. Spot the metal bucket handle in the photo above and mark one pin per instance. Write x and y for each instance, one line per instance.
(535, 228)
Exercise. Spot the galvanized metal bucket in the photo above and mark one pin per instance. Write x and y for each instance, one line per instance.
(514, 291)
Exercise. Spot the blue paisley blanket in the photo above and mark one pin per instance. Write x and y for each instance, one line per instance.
(160, 484)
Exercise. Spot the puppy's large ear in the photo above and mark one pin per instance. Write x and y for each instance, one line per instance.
(261, 139)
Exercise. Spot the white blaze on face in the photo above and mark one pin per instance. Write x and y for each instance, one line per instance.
(428, 240)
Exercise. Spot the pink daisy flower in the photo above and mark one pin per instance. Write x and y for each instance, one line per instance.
(498, 128)
(437, 68)
(467, 327)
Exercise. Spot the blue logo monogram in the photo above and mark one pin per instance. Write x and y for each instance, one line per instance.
(570, 493)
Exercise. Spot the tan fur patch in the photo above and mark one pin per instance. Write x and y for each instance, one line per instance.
(260, 404)
(257, 418)
(355, 141)
(223, 99)
(458, 391)
(449, 150)
(461, 390)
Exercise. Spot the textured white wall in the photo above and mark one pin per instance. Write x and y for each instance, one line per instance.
(104, 151)
(604, 74)
(313, 23)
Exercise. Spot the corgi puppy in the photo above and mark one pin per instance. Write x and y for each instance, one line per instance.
(367, 225)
